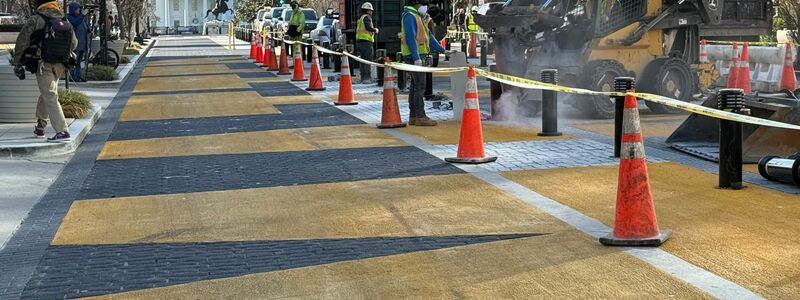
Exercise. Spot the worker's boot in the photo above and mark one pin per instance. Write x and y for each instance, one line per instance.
(424, 121)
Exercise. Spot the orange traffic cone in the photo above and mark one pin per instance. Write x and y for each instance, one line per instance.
(299, 73)
(470, 142)
(473, 45)
(390, 112)
(346, 85)
(259, 50)
(635, 220)
(703, 52)
(315, 83)
(743, 78)
(253, 46)
(788, 79)
(284, 67)
(443, 42)
(267, 52)
(733, 71)
(273, 59)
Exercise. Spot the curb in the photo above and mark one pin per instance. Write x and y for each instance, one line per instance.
(79, 127)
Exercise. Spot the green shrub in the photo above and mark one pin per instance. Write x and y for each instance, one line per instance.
(101, 73)
(74, 104)
(124, 60)
(130, 51)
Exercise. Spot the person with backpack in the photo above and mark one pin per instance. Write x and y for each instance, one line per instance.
(45, 47)
(81, 28)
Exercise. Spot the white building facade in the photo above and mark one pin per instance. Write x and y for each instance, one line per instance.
(175, 13)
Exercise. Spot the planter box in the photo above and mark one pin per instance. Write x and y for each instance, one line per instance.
(116, 45)
(17, 97)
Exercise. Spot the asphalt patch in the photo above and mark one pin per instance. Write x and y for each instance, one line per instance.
(202, 173)
(243, 65)
(256, 75)
(272, 89)
(291, 116)
(80, 271)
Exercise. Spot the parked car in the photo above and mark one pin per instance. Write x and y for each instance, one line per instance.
(274, 17)
(257, 21)
(325, 25)
(311, 19)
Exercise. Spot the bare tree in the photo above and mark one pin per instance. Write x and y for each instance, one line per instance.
(789, 11)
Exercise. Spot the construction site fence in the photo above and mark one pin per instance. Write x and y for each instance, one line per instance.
(538, 85)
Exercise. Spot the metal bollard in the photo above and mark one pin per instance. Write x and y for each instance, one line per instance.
(483, 53)
(308, 50)
(353, 63)
(337, 60)
(621, 84)
(549, 105)
(495, 91)
(428, 86)
(326, 58)
(464, 45)
(401, 76)
(381, 54)
(730, 139)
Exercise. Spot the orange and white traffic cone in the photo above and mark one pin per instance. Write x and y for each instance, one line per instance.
(788, 79)
(743, 78)
(703, 52)
(390, 111)
(259, 50)
(315, 83)
(267, 52)
(253, 45)
(470, 141)
(299, 72)
(346, 85)
(273, 59)
(635, 219)
(284, 67)
(733, 71)
(473, 45)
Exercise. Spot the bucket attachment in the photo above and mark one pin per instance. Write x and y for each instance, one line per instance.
(699, 135)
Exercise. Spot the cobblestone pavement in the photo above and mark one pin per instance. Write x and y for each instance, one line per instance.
(310, 200)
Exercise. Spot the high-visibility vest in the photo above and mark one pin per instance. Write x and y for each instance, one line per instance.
(362, 34)
(422, 34)
(471, 26)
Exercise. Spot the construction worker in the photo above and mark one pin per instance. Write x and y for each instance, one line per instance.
(365, 38)
(416, 42)
(45, 47)
(297, 23)
(471, 26)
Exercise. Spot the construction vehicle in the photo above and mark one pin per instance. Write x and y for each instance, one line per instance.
(387, 18)
(590, 42)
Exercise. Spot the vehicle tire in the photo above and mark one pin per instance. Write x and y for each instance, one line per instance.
(669, 77)
(112, 58)
(599, 76)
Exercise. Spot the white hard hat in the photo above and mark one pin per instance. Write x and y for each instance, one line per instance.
(368, 6)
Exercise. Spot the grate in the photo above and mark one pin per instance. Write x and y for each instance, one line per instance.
(614, 14)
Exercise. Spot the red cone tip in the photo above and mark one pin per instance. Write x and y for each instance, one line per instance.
(471, 72)
(630, 101)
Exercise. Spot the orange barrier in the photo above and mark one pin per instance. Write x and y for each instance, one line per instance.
(299, 73)
(788, 79)
(743, 78)
(346, 85)
(470, 141)
(390, 110)
(315, 83)
(283, 69)
(273, 59)
(635, 220)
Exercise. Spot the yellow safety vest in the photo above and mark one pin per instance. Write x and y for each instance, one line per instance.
(422, 34)
(471, 26)
(362, 34)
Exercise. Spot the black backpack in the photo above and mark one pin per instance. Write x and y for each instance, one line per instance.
(56, 40)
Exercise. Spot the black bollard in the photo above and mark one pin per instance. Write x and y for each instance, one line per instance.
(381, 55)
(549, 105)
(428, 86)
(337, 60)
(730, 139)
(354, 64)
(326, 58)
(495, 91)
(621, 85)
(401, 76)
(483, 54)
(464, 45)
(308, 50)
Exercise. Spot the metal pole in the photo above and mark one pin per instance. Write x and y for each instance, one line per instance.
(353, 63)
(621, 84)
(308, 50)
(464, 45)
(549, 104)
(495, 90)
(326, 58)
(401, 76)
(483, 53)
(730, 139)
(381, 59)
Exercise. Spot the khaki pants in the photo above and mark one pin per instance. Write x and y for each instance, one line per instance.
(48, 105)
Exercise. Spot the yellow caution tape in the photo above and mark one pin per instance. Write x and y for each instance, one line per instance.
(467, 32)
(326, 50)
(361, 60)
(538, 85)
(423, 69)
(741, 43)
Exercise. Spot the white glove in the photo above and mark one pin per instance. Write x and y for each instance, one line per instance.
(377, 31)
(418, 62)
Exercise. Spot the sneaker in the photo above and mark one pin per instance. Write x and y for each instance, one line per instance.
(61, 137)
(424, 121)
(38, 129)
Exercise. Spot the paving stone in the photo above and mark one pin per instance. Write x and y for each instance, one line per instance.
(275, 89)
